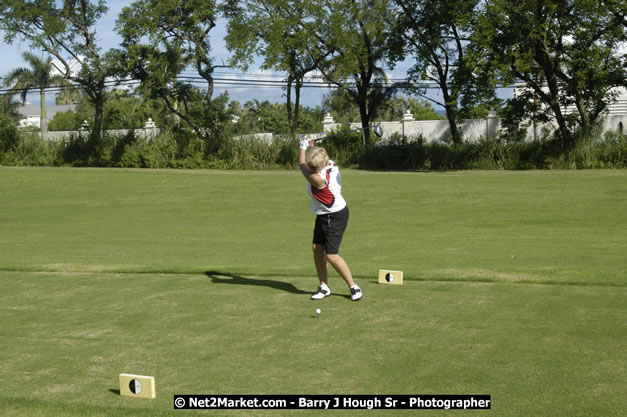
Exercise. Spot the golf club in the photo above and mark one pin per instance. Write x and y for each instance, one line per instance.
(377, 129)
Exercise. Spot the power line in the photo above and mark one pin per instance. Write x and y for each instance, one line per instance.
(243, 80)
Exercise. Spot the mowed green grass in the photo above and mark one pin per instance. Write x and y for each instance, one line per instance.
(515, 286)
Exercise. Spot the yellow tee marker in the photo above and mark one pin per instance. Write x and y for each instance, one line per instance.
(390, 277)
(137, 386)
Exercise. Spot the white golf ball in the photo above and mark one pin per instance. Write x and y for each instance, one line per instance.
(318, 311)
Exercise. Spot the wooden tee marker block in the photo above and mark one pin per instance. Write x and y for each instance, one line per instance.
(137, 386)
(390, 277)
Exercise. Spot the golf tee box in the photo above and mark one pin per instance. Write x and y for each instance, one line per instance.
(139, 386)
(387, 276)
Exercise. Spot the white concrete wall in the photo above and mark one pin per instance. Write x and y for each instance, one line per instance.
(64, 134)
(471, 130)
(430, 130)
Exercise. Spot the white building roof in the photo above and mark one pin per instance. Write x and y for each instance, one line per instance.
(29, 110)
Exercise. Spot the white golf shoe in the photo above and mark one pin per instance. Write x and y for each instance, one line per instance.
(323, 291)
(356, 293)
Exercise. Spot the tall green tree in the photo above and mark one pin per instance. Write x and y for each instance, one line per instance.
(277, 31)
(161, 40)
(565, 51)
(38, 76)
(436, 36)
(67, 31)
(354, 31)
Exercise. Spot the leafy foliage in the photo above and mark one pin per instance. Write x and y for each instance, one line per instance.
(66, 30)
(280, 32)
(66, 120)
(566, 51)
(161, 39)
(355, 34)
(8, 133)
(435, 35)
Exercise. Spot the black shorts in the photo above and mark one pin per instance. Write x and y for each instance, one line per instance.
(329, 230)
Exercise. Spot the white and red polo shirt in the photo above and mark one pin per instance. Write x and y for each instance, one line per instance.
(327, 199)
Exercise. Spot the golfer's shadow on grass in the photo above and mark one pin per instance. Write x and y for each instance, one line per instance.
(218, 277)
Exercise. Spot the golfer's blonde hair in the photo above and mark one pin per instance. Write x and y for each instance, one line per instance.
(316, 158)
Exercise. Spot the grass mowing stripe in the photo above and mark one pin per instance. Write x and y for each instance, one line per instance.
(473, 276)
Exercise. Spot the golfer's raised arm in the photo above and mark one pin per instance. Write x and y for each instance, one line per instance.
(302, 163)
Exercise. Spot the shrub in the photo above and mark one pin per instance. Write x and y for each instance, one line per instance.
(397, 154)
(182, 148)
(159, 152)
(613, 150)
(249, 152)
(75, 150)
(31, 150)
(8, 134)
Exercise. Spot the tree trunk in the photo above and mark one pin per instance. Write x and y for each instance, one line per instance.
(584, 116)
(365, 123)
(209, 88)
(564, 132)
(43, 118)
(450, 106)
(288, 104)
(99, 101)
(362, 99)
(175, 117)
(548, 67)
(299, 85)
(451, 116)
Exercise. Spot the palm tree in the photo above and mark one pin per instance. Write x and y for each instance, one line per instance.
(67, 95)
(38, 76)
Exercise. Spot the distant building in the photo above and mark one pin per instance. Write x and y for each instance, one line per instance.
(31, 113)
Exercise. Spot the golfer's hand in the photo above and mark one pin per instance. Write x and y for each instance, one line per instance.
(304, 144)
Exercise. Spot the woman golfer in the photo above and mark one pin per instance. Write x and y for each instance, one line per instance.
(327, 203)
